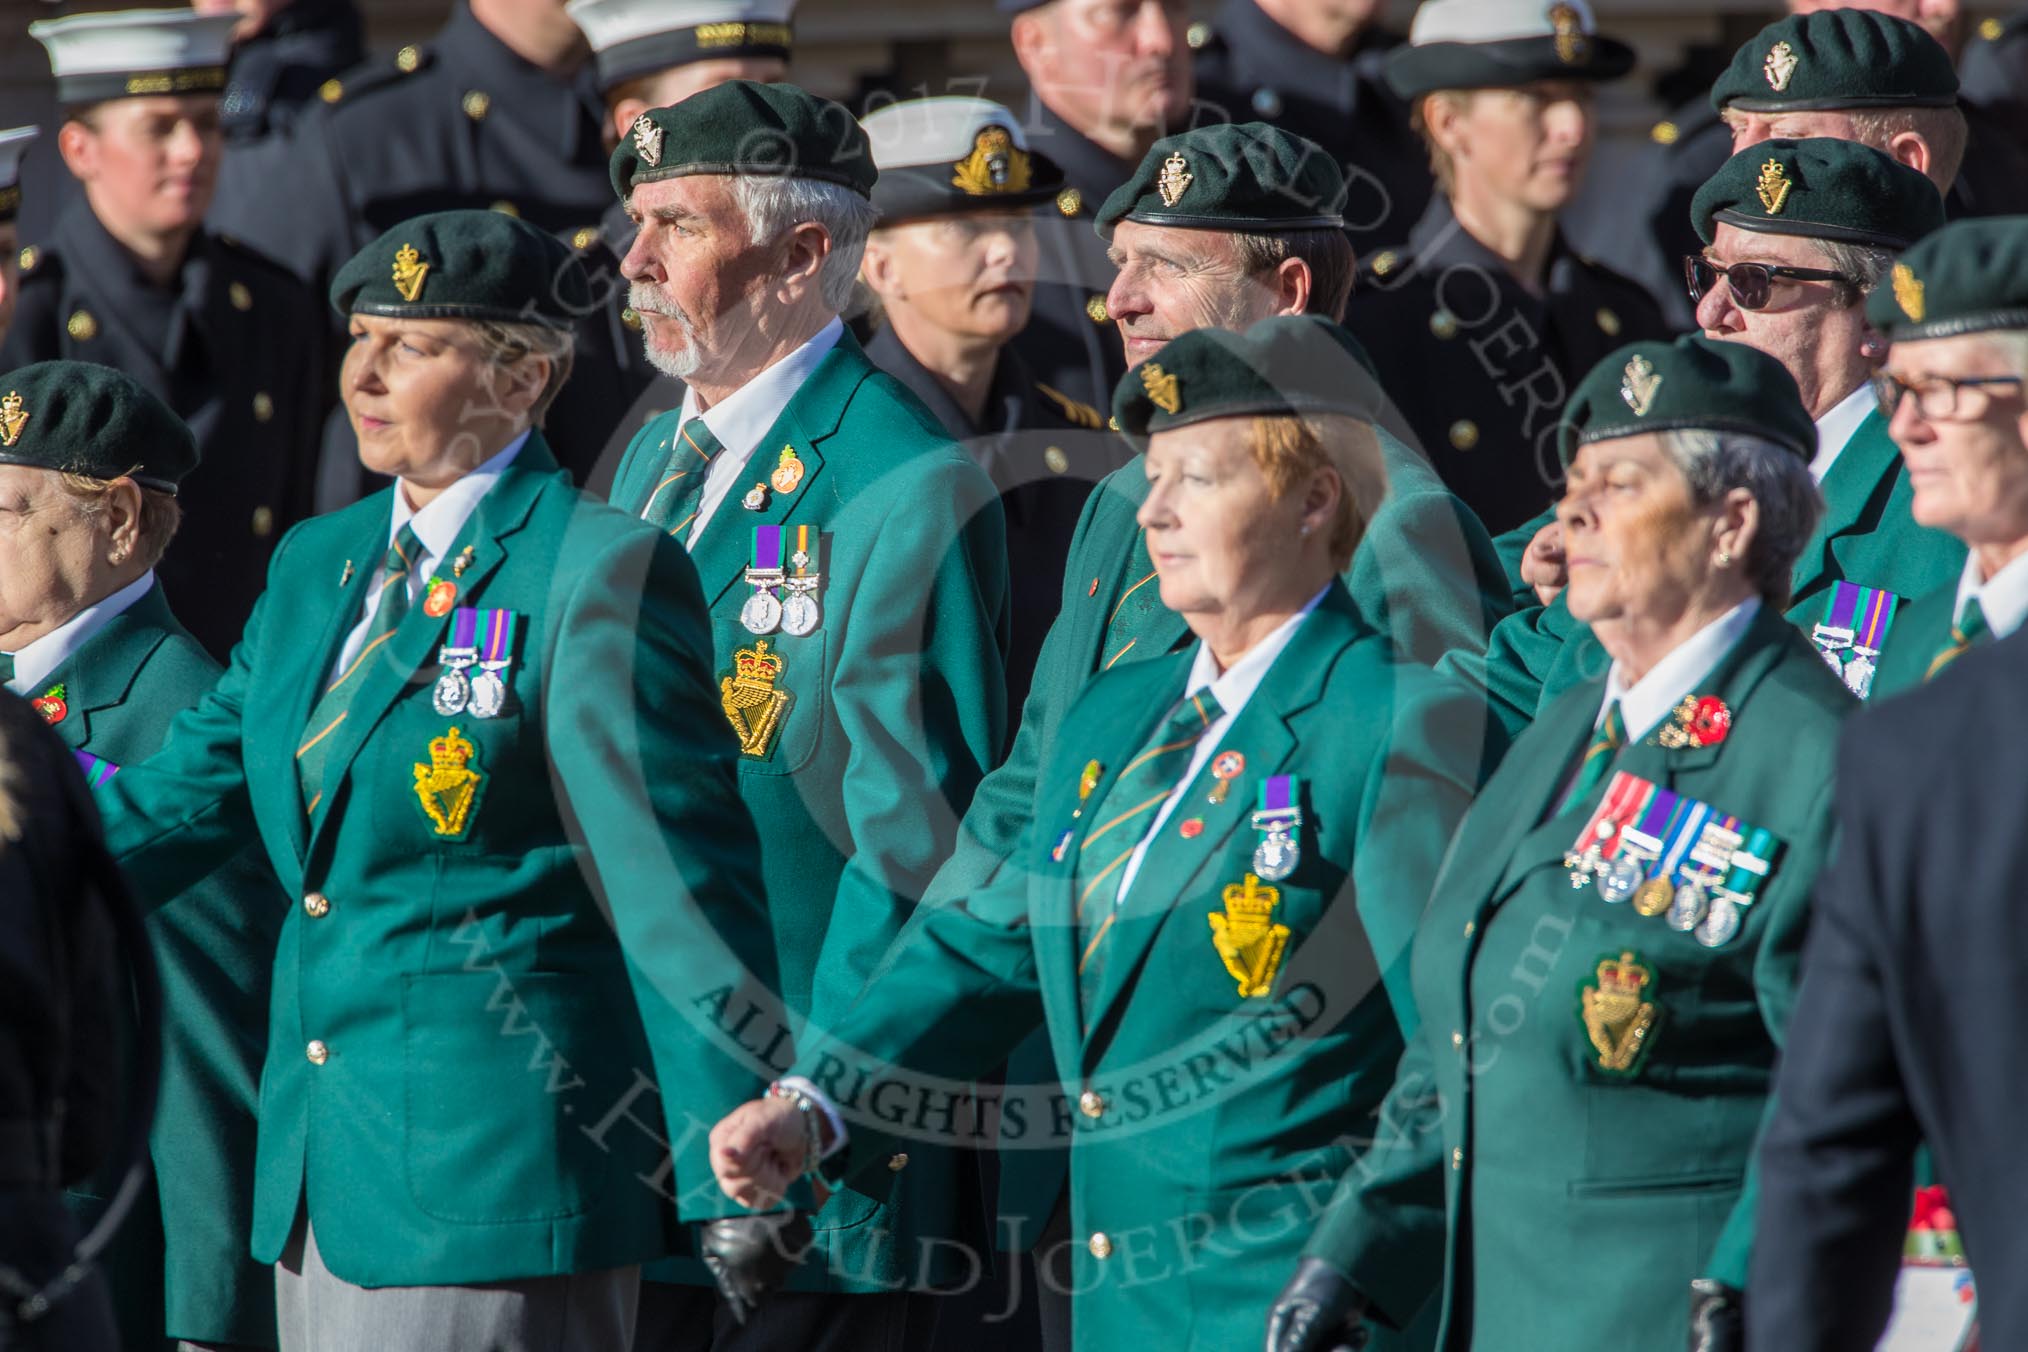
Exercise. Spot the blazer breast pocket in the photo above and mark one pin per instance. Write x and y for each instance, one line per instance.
(1230, 939)
(773, 691)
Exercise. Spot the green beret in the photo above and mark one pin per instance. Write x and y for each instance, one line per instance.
(1838, 58)
(1969, 277)
(1823, 188)
(78, 417)
(1290, 364)
(744, 127)
(1245, 176)
(1502, 44)
(1692, 384)
(465, 265)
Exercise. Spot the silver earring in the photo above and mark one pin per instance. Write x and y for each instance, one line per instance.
(1305, 532)
(1724, 559)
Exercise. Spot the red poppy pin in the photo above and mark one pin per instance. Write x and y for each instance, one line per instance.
(1700, 720)
(51, 704)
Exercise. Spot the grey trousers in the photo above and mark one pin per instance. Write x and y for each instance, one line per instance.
(579, 1312)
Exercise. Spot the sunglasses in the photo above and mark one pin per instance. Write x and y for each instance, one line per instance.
(1752, 283)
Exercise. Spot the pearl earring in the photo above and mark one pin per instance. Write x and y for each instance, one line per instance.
(1724, 559)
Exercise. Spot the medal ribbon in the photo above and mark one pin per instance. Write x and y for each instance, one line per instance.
(496, 638)
(1875, 616)
(464, 631)
(1651, 826)
(767, 549)
(1624, 797)
(1840, 607)
(97, 770)
(1710, 855)
(1277, 806)
(1685, 827)
(1751, 863)
(803, 549)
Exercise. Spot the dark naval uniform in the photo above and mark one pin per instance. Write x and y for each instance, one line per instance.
(276, 74)
(1480, 367)
(1640, 223)
(610, 349)
(1249, 66)
(1044, 453)
(1993, 73)
(234, 350)
(1070, 343)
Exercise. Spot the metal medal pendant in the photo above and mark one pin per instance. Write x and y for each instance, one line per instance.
(489, 695)
(1275, 857)
(762, 613)
(1652, 898)
(799, 614)
(1619, 880)
(1858, 676)
(1686, 909)
(453, 692)
(1720, 923)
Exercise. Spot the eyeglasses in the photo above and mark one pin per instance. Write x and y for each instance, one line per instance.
(1752, 283)
(1936, 397)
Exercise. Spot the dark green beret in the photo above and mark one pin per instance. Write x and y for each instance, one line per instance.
(79, 417)
(1502, 44)
(1969, 277)
(1231, 176)
(465, 265)
(1692, 384)
(1823, 188)
(1290, 364)
(744, 127)
(1838, 58)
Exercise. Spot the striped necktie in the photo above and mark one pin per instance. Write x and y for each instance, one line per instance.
(1969, 630)
(673, 505)
(1131, 613)
(1606, 740)
(6, 668)
(1124, 814)
(333, 704)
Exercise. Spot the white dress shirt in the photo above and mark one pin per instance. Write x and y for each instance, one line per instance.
(1835, 428)
(1648, 701)
(742, 418)
(40, 660)
(2003, 597)
(436, 526)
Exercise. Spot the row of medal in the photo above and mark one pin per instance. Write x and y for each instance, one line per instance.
(482, 639)
(1674, 857)
(1277, 815)
(1853, 631)
(781, 599)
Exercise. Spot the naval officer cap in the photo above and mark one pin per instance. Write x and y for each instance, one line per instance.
(1968, 277)
(1285, 366)
(940, 156)
(77, 417)
(632, 38)
(14, 144)
(1692, 384)
(135, 53)
(1838, 58)
(744, 127)
(1502, 44)
(1240, 176)
(467, 264)
(1820, 187)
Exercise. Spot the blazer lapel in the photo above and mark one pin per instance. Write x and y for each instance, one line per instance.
(99, 674)
(1869, 458)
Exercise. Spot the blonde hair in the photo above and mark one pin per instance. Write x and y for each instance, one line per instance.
(1943, 128)
(504, 344)
(161, 514)
(1440, 166)
(1289, 449)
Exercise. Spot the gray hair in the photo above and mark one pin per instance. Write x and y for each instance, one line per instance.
(1868, 263)
(504, 343)
(1715, 463)
(2012, 347)
(774, 204)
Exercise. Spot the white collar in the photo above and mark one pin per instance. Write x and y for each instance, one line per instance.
(1835, 428)
(1647, 701)
(437, 524)
(2003, 597)
(1234, 686)
(41, 659)
(742, 418)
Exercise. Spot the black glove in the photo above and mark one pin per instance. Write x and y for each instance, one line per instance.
(1318, 1311)
(750, 1255)
(1717, 1317)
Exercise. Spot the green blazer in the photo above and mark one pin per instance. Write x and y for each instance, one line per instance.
(1571, 1204)
(1922, 629)
(480, 1109)
(1217, 1113)
(187, 1273)
(1867, 536)
(897, 708)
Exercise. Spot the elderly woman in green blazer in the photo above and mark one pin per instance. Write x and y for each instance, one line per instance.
(90, 470)
(1228, 852)
(1609, 957)
(473, 727)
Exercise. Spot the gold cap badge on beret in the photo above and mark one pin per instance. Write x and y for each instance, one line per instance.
(1572, 43)
(1907, 293)
(1163, 389)
(13, 418)
(996, 165)
(409, 271)
(1781, 63)
(1174, 179)
(648, 140)
(1638, 383)
(1773, 187)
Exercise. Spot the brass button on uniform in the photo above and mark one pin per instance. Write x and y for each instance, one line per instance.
(1470, 925)
(1100, 1245)
(317, 1052)
(506, 208)
(407, 59)
(1384, 262)
(586, 236)
(331, 91)
(1092, 1103)
(1443, 324)
(317, 905)
(82, 326)
(1608, 322)
(1464, 434)
(477, 103)
(1096, 309)
(1458, 1158)
(242, 299)
(263, 406)
(1457, 1038)
(1057, 461)
(1664, 133)
(1070, 201)
(263, 521)
(898, 1162)
(30, 256)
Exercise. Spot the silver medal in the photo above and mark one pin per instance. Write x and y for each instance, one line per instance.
(1720, 923)
(1687, 909)
(1276, 856)
(489, 693)
(762, 613)
(1858, 674)
(453, 692)
(799, 614)
(1619, 879)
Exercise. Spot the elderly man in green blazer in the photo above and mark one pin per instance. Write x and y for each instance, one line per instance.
(854, 562)
(1229, 847)
(1797, 235)
(86, 633)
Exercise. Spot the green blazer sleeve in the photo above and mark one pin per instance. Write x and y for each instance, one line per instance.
(1426, 571)
(1511, 546)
